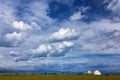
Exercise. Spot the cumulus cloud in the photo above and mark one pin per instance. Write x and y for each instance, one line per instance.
(42, 51)
(21, 58)
(14, 53)
(79, 15)
(54, 49)
(19, 54)
(15, 38)
(114, 5)
(76, 16)
(64, 34)
(60, 49)
(20, 25)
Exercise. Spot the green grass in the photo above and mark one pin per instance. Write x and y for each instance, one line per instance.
(57, 77)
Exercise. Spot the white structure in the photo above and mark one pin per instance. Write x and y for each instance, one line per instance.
(89, 72)
(97, 72)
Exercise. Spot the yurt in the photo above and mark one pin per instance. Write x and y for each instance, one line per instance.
(89, 72)
(97, 72)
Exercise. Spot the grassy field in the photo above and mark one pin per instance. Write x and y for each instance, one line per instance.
(57, 77)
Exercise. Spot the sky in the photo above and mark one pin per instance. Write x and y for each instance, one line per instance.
(60, 35)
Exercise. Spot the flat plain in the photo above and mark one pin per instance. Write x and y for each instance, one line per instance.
(57, 77)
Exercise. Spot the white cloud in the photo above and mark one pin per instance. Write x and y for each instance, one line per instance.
(68, 44)
(40, 13)
(13, 53)
(84, 9)
(60, 49)
(64, 34)
(114, 5)
(104, 25)
(35, 26)
(76, 16)
(87, 34)
(6, 12)
(100, 37)
(15, 36)
(41, 51)
(21, 58)
(42, 48)
(20, 25)
(54, 49)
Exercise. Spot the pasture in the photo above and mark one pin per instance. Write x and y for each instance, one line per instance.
(57, 77)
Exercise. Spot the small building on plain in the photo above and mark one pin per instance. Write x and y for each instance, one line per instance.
(89, 72)
(97, 72)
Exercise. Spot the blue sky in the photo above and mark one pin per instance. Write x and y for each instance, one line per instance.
(61, 35)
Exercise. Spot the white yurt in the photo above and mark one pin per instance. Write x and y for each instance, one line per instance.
(89, 72)
(97, 72)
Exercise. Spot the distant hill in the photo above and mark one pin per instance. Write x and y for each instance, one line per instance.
(4, 70)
